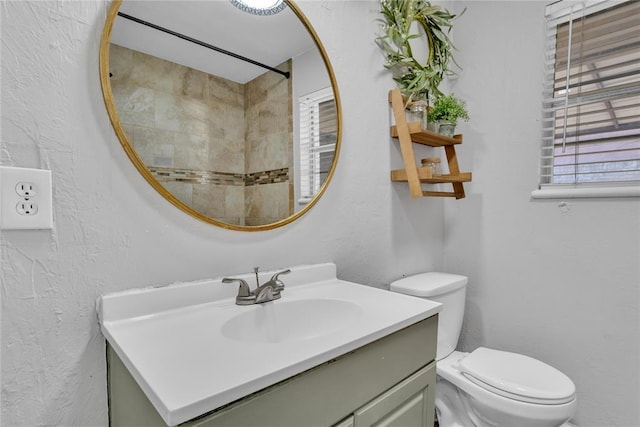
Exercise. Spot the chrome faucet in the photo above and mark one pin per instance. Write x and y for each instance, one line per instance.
(268, 291)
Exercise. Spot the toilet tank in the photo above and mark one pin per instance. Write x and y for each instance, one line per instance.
(447, 289)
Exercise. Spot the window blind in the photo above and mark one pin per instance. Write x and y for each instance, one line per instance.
(318, 136)
(591, 100)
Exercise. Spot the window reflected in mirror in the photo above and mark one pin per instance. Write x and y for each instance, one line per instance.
(318, 131)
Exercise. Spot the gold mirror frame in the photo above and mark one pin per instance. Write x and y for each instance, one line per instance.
(144, 171)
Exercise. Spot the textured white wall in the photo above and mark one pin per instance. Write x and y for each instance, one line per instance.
(558, 282)
(113, 232)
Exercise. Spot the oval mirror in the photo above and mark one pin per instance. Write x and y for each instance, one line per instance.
(233, 117)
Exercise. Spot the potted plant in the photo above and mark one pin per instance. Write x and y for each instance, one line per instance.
(417, 81)
(446, 111)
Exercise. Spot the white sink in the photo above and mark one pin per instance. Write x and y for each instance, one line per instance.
(191, 349)
(280, 321)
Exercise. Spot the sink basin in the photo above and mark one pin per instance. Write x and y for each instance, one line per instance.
(281, 321)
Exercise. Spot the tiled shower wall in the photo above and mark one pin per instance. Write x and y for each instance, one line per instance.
(269, 148)
(216, 145)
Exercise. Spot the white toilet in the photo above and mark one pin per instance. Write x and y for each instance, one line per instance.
(487, 388)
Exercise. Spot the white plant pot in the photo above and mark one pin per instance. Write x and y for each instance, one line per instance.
(446, 128)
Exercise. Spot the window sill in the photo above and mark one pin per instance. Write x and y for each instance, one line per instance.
(586, 193)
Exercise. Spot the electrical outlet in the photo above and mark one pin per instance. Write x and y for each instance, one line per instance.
(25, 199)
(27, 208)
(25, 189)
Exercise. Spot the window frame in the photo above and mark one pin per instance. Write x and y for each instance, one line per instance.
(564, 12)
(309, 145)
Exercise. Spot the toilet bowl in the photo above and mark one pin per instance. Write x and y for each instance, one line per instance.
(486, 387)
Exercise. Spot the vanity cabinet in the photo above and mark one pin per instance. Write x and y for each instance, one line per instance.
(389, 382)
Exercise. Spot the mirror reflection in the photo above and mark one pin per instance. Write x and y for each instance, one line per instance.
(231, 116)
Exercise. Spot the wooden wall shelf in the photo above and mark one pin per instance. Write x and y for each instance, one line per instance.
(410, 133)
(426, 137)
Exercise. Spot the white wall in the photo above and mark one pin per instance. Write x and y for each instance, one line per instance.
(558, 282)
(113, 232)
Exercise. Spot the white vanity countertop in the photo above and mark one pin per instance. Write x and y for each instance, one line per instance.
(171, 338)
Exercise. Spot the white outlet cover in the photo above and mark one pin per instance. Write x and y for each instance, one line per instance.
(40, 180)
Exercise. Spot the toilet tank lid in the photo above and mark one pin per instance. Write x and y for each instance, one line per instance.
(429, 284)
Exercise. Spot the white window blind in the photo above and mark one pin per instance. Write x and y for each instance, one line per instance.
(591, 101)
(318, 135)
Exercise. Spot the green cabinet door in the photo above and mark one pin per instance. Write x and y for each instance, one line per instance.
(408, 404)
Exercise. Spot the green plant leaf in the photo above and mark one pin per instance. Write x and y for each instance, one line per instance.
(415, 79)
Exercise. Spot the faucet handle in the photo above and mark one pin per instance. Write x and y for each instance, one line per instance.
(243, 290)
(275, 276)
(279, 283)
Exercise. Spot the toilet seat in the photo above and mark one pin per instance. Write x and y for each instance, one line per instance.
(517, 377)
